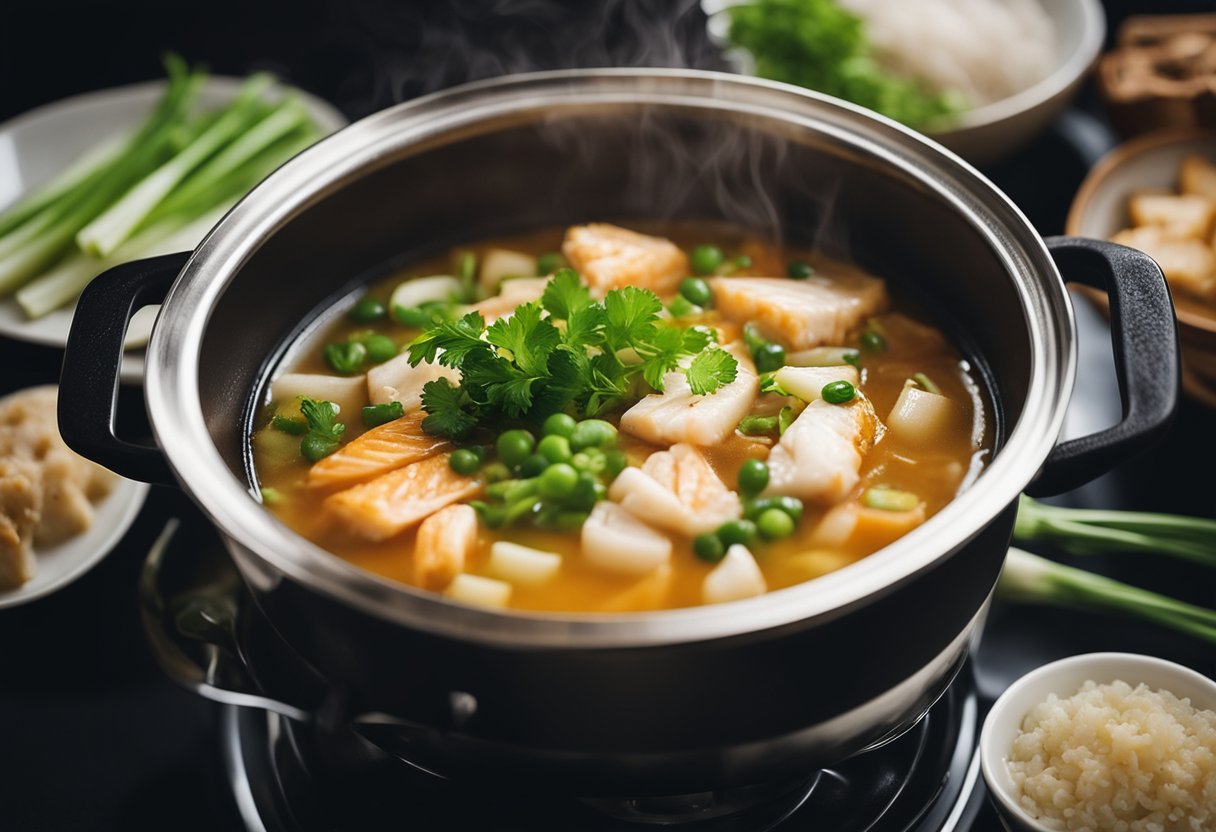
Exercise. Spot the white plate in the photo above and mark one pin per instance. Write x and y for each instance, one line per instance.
(59, 565)
(39, 144)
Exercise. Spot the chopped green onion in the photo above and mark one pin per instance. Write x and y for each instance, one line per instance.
(758, 425)
(289, 424)
(889, 499)
(784, 419)
(873, 341)
(927, 383)
(466, 273)
(380, 414)
(270, 496)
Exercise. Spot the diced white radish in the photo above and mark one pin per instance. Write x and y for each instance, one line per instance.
(822, 357)
(807, 383)
(922, 417)
(419, 290)
(445, 540)
(737, 576)
(616, 541)
(349, 393)
(836, 527)
(522, 565)
(478, 591)
(396, 381)
(500, 263)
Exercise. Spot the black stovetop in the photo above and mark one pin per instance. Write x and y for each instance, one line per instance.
(93, 736)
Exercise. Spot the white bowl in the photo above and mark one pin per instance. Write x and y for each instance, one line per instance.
(1064, 678)
(987, 134)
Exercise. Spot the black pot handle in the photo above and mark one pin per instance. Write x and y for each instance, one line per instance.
(92, 361)
(1144, 335)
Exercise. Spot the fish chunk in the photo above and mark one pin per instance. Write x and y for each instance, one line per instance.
(608, 256)
(513, 293)
(445, 541)
(396, 381)
(820, 454)
(801, 313)
(702, 502)
(393, 502)
(615, 540)
(737, 576)
(678, 415)
(378, 451)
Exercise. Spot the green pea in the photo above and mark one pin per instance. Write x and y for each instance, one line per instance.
(681, 307)
(411, 316)
(559, 424)
(347, 357)
(873, 341)
(533, 466)
(615, 462)
(708, 547)
(737, 531)
(586, 492)
(838, 392)
(464, 461)
(558, 481)
(592, 433)
(554, 448)
(695, 290)
(705, 259)
(563, 520)
(769, 357)
(549, 262)
(753, 477)
(791, 506)
(497, 472)
(799, 270)
(380, 414)
(380, 348)
(757, 425)
(367, 310)
(775, 524)
(515, 446)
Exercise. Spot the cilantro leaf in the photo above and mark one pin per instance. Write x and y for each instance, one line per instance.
(324, 432)
(565, 295)
(697, 338)
(711, 370)
(631, 314)
(456, 339)
(585, 328)
(661, 355)
(450, 410)
(529, 338)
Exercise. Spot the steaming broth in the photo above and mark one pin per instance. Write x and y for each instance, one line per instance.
(906, 470)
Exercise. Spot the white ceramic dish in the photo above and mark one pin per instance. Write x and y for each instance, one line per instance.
(994, 131)
(1064, 678)
(59, 565)
(39, 144)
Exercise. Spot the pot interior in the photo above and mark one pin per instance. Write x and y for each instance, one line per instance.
(632, 162)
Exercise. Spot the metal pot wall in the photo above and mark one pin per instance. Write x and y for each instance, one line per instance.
(656, 703)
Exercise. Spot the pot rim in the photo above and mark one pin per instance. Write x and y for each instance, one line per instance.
(177, 417)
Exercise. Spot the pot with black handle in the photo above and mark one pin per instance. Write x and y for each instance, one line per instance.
(664, 702)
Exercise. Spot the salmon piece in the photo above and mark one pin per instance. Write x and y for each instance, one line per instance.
(702, 502)
(820, 454)
(392, 503)
(608, 256)
(801, 313)
(445, 541)
(678, 415)
(396, 381)
(378, 451)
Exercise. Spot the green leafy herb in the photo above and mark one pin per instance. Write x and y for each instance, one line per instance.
(289, 424)
(324, 432)
(380, 414)
(710, 370)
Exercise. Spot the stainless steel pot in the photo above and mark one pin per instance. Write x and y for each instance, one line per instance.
(665, 702)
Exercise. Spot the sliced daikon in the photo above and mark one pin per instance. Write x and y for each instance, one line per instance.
(478, 591)
(737, 576)
(349, 393)
(522, 565)
(413, 293)
(500, 264)
(922, 417)
(807, 383)
(616, 541)
(823, 357)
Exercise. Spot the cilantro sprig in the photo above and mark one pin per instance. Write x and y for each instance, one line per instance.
(564, 351)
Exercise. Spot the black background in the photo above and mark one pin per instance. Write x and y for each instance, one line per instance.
(92, 736)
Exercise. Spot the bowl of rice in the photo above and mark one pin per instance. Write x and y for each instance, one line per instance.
(1103, 742)
(983, 77)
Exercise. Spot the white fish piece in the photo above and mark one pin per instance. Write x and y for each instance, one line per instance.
(396, 381)
(678, 415)
(801, 313)
(513, 293)
(702, 502)
(737, 576)
(616, 541)
(921, 417)
(498, 264)
(608, 257)
(820, 454)
(445, 541)
(522, 565)
(349, 393)
(419, 290)
(807, 383)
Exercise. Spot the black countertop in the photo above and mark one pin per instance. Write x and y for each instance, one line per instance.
(92, 735)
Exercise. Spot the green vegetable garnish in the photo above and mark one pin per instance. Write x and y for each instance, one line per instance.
(708, 547)
(704, 259)
(818, 45)
(289, 424)
(270, 496)
(554, 448)
(927, 383)
(380, 348)
(873, 341)
(752, 509)
(527, 367)
(464, 461)
(367, 310)
(696, 291)
(533, 466)
(346, 357)
(758, 425)
(799, 270)
(558, 480)
(559, 424)
(466, 273)
(324, 432)
(549, 263)
(769, 358)
(681, 307)
(515, 446)
(838, 392)
(380, 414)
(753, 477)
(774, 524)
(737, 531)
(889, 499)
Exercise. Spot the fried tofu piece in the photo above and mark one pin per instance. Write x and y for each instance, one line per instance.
(66, 508)
(1189, 265)
(378, 451)
(608, 256)
(20, 509)
(1188, 215)
(445, 541)
(801, 313)
(1197, 175)
(400, 499)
